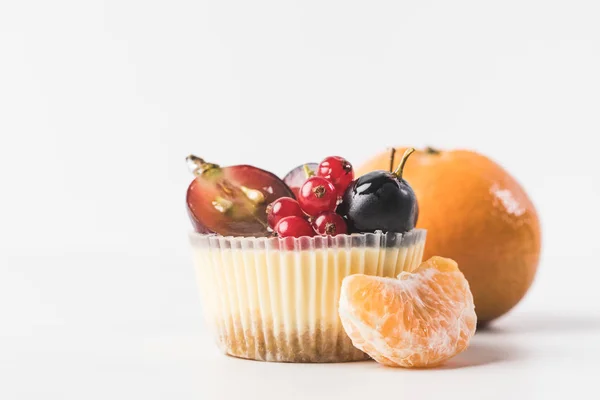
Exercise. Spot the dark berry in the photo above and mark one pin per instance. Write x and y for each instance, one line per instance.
(380, 200)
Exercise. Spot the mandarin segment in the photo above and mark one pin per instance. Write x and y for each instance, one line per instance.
(421, 319)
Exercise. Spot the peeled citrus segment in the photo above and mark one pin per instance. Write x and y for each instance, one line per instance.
(421, 319)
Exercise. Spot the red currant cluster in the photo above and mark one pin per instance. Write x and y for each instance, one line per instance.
(314, 211)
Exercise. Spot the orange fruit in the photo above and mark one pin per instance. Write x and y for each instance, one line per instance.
(421, 319)
(478, 215)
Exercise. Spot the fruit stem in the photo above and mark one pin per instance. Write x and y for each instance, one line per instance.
(198, 166)
(392, 156)
(319, 191)
(307, 171)
(431, 150)
(400, 169)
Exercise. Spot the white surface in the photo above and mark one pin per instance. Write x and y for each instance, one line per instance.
(100, 101)
(127, 326)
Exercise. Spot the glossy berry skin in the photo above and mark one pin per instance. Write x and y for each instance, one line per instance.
(338, 171)
(296, 177)
(294, 226)
(281, 208)
(379, 201)
(329, 223)
(317, 195)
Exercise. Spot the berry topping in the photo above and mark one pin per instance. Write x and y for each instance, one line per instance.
(380, 200)
(281, 208)
(317, 195)
(294, 226)
(329, 223)
(338, 171)
(296, 177)
(232, 200)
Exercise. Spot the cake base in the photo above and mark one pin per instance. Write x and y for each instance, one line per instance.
(317, 346)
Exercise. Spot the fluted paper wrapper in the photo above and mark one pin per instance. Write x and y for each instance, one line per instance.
(276, 299)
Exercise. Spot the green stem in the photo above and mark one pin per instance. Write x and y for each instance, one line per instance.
(307, 171)
(400, 169)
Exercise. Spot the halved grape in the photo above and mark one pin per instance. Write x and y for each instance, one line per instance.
(232, 201)
(198, 226)
(296, 177)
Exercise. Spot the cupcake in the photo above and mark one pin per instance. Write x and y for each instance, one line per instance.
(270, 254)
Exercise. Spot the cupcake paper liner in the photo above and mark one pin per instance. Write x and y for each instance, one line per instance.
(276, 299)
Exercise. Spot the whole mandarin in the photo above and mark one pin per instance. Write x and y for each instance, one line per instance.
(478, 215)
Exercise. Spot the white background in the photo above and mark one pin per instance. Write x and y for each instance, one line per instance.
(100, 101)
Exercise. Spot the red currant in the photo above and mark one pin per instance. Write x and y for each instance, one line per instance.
(330, 223)
(294, 226)
(338, 171)
(281, 208)
(296, 177)
(317, 195)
